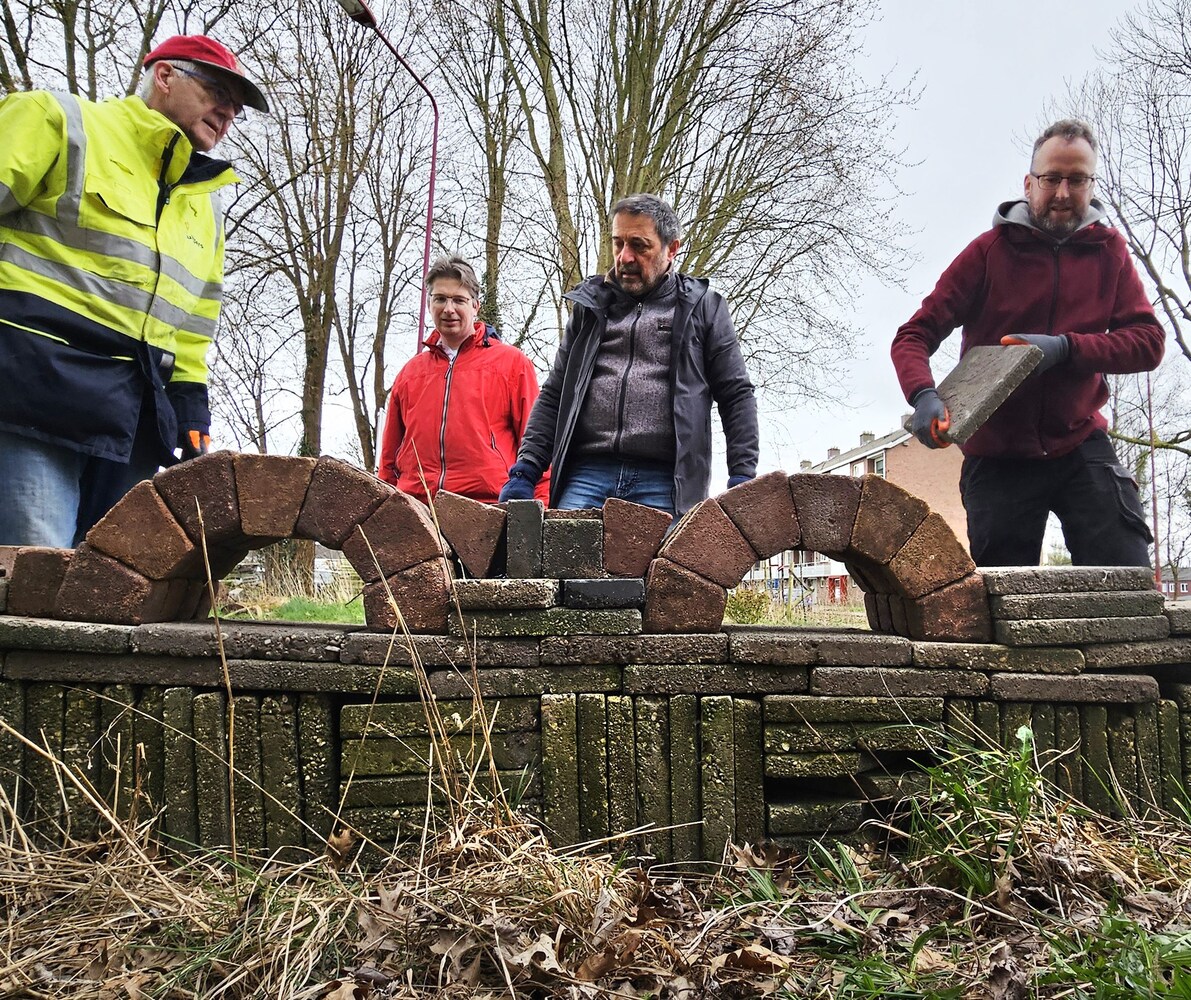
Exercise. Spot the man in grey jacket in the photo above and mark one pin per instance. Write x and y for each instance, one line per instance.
(626, 409)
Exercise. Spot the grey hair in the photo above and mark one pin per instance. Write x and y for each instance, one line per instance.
(665, 220)
(1069, 129)
(454, 268)
(149, 81)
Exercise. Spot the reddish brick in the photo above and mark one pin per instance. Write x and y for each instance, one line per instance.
(37, 574)
(872, 612)
(340, 497)
(8, 553)
(98, 588)
(932, 558)
(194, 596)
(209, 480)
(826, 506)
(885, 520)
(421, 592)
(401, 534)
(897, 615)
(871, 577)
(763, 510)
(884, 615)
(956, 613)
(707, 542)
(141, 532)
(473, 529)
(677, 600)
(632, 535)
(271, 489)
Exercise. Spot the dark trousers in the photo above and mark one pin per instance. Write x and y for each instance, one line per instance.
(1095, 498)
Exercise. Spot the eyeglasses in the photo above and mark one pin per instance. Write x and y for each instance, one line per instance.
(217, 90)
(1051, 182)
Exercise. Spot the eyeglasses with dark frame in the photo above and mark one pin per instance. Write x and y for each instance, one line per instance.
(217, 90)
(1051, 182)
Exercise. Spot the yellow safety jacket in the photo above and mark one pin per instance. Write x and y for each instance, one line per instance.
(111, 272)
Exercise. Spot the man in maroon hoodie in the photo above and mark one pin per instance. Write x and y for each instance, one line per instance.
(1051, 273)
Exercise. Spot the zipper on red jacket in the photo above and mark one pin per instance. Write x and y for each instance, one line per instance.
(442, 427)
(624, 382)
(1054, 292)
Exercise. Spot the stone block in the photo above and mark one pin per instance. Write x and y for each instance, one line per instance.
(439, 651)
(397, 535)
(1066, 579)
(750, 771)
(871, 577)
(279, 768)
(896, 682)
(381, 756)
(8, 555)
(677, 600)
(931, 558)
(201, 493)
(826, 506)
(275, 640)
(623, 765)
(685, 811)
(1102, 688)
(1170, 765)
(706, 542)
(419, 596)
(523, 538)
(180, 819)
(1097, 767)
(474, 530)
(717, 767)
(1180, 618)
(592, 749)
(957, 612)
(548, 621)
(813, 818)
(506, 595)
(763, 511)
(899, 615)
(1002, 659)
(812, 709)
(3, 595)
(497, 682)
(1113, 656)
(1068, 772)
(248, 800)
(841, 764)
(141, 532)
(271, 490)
(37, 575)
(984, 378)
(1149, 754)
(1103, 604)
(581, 649)
(886, 517)
(678, 678)
(1122, 752)
(81, 637)
(100, 589)
(614, 593)
(836, 737)
(876, 611)
(651, 728)
(340, 497)
(633, 534)
(408, 718)
(1076, 631)
(211, 770)
(851, 647)
(572, 548)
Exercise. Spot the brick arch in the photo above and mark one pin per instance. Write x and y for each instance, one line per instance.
(143, 562)
(918, 579)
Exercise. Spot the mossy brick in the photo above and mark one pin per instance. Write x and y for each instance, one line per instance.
(211, 769)
(438, 651)
(86, 668)
(931, 559)
(959, 721)
(987, 716)
(116, 750)
(633, 533)
(180, 820)
(419, 594)
(831, 737)
(1170, 763)
(548, 621)
(1180, 619)
(1180, 694)
(142, 532)
(763, 511)
(1102, 604)
(838, 764)
(149, 736)
(248, 802)
(1042, 722)
(811, 709)
(241, 640)
(592, 747)
(474, 530)
(686, 810)
(1068, 771)
(854, 648)
(506, 595)
(886, 517)
(409, 718)
(572, 548)
(595, 594)
(37, 575)
(279, 766)
(98, 588)
(271, 490)
(710, 678)
(622, 765)
(316, 766)
(523, 539)
(1066, 579)
(82, 637)
(201, 493)
(414, 789)
(1014, 715)
(1114, 656)
(339, 497)
(652, 732)
(750, 771)
(896, 682)
(957, 612)
(778, 647)
(80, 736)
(44, 724)
(877, 787)
(678, 600)
(517, 681)
(1076, 631)
(397, 535)
(1097, 765)
(1149, 755)
(706, 542)
(1122, 752)
(1127, 688)
(1185, 741)
(826, 506)
(814, 818)
(717, 773)
(996, 658)
(12, 712)
(582, 649)
(381, 755)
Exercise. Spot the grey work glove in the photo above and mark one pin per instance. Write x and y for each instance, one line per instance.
(1055, 347)
(930, 418)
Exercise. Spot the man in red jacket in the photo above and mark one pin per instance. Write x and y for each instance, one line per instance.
(1051, 273)
(458, 409)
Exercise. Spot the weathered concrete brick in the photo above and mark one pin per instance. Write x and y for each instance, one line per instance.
(439, 651)
(706, 542)
(844, 647)
(1170, 764)
(616, 593)
(798, 818)
(591, 717)
(1075, 631)
(98, 588)
(676, 678)
(408, 718)
(271, 490)
(931, 558)
(572, 548)
(579, 649)
(840, 764)
(340, 496)
(1105, 604)
(652, 733)
(717, 764)
(1102, 688)
(1002, 659)
(381, 756)
(1068, 771)
(685, 807)
(1180, 618)
(474, 530)
(82, 637)
(677, 600)
(835, 737)
(549, 621)
(523, 539)
(148, 735)
(248, 800)
(886, 517)
(500, 683)
(779, 647)
(279, 767)
(958, 612)
(413, 789)
(897, 682)
(750, 771)
(273, 640)
(1042, 722)
(205, 484)
(8, 554)
(633, 534)
(88, 753)
(1097, 768)
(37, 575)
(1137, 654)
(876, 610)
(421, 593)
(622, 765)
(180, 820)
(397, 535)
(812, 709)
(210, 769)
(1066, 579)
(497, 595)
(1149, 763)
(141, 532)
(763, 511)
(826, 506)
(1122, 752)
(317, 767)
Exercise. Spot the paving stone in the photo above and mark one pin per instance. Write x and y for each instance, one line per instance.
(340, 497)
(633, 534)
(1104, 604)
(408, 718)
(8, 554)
(833, 816)
(180, 820)
(320, 794)
(877, 787)
(1180, 694)
(750, 771)
(1002, 659)
(776, 646)
(886, 517)
(763, 511)
(248, 799)
(83, 755)
(381, 756)
(1074, 631)
(677, 678)
(517, 594)
(984, 378)
(677, 600)
(706, 542)
(987, 717)
(474, 530)
(812, 765)
(527, 681)
(397, 535)
(141, 532)
(959, 722)
(1112, 656)
(1122, 753)
(523, 539)
(279, 766)
(37, 575)
(931, 558)
(717, 767)
(1171, 756)
(1066, 579)
(439, 651)
(812, 709)
(1042, 722)
(958, 612)
(44, 722)
(844, 647)
(835, 737)
(616, 593)
(1068, 772)
(1102, 688)
(592, 740)
(205, 484)
(1097, 768)
(82, 637)
(572, 548)
(575, 514)
(548, 621)
(98, 588)
(1149, 762)
(580, 649)
(148, 734)
(412, 790)
(622, 765)
(271, 490)
(274, 640)
(421, 594)
(897, 682)
(652, 734)
(826, 506)
(685, 809)
(1180, 618)
(210, 769)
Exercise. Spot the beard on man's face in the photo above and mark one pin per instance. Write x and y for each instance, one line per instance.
(1060, 227)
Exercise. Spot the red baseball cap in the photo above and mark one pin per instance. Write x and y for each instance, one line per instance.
(207, 52)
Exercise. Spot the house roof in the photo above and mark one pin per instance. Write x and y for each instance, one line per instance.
(873, 447)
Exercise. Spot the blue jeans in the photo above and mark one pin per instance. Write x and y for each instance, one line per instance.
(51, 495)
(591, 481)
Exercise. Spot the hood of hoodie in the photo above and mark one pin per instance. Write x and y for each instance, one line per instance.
(1017, 212)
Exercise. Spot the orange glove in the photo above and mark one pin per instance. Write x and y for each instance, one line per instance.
(193, 443)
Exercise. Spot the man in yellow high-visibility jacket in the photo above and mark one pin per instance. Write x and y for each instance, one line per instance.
(111, 278)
